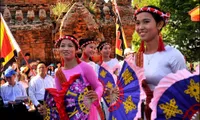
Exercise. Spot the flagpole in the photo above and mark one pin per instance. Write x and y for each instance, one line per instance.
(121, 44)
(27, 63)
(117, 11)
(13, 41)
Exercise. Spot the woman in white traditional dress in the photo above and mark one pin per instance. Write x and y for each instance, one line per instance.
(159, 59)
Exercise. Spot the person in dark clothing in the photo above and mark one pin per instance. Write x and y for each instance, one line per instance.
(27, 57)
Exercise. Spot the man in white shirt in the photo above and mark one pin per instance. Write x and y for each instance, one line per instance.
(39, 83)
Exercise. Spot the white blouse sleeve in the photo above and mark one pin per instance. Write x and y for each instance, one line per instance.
(177, 61)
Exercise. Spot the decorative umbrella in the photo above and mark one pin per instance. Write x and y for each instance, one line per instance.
(124, 105)
(195, 14)
(177, 97)
(70, 102)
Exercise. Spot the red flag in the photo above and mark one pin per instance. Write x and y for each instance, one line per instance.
(8, 46)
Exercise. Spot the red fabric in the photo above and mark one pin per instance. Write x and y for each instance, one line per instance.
(59, 99)
(141, 49)
(62, 62)
(78, 60)
(100, 111)
(161, 46)
(101, 60)
(59, 96)
(149, 95)
(191, 111)
(7, 46)
(139, 59)
(84, 56)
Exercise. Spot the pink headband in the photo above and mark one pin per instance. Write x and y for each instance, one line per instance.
(165, 16)
(69, 38)
(87, 43)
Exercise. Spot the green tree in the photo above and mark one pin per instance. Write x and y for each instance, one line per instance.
(135, 41)
(181, 31)
(141, 3)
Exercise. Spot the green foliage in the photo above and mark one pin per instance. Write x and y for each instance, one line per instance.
(135, 41)
(91, 7)
(141, 3)
(60, 8)
(181, 31)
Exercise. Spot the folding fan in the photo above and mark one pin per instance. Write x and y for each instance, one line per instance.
(124, 105)
(70, 102)
(108, 82)
(76, 103)
(52, 111)
(177, 97)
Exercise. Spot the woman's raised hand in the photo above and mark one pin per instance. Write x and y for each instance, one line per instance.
(92, 95)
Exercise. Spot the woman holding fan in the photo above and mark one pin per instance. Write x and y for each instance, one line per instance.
(68, 46)
(159, 59)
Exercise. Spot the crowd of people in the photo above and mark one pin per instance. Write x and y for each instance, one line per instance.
(31, 78)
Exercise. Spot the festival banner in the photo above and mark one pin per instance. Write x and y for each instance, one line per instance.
(8, 45)
(121, 44)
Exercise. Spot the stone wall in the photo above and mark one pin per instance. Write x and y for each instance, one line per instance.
(26, 2)
(31, 26)
(35, 30)
(79, 22)
(37, 41)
